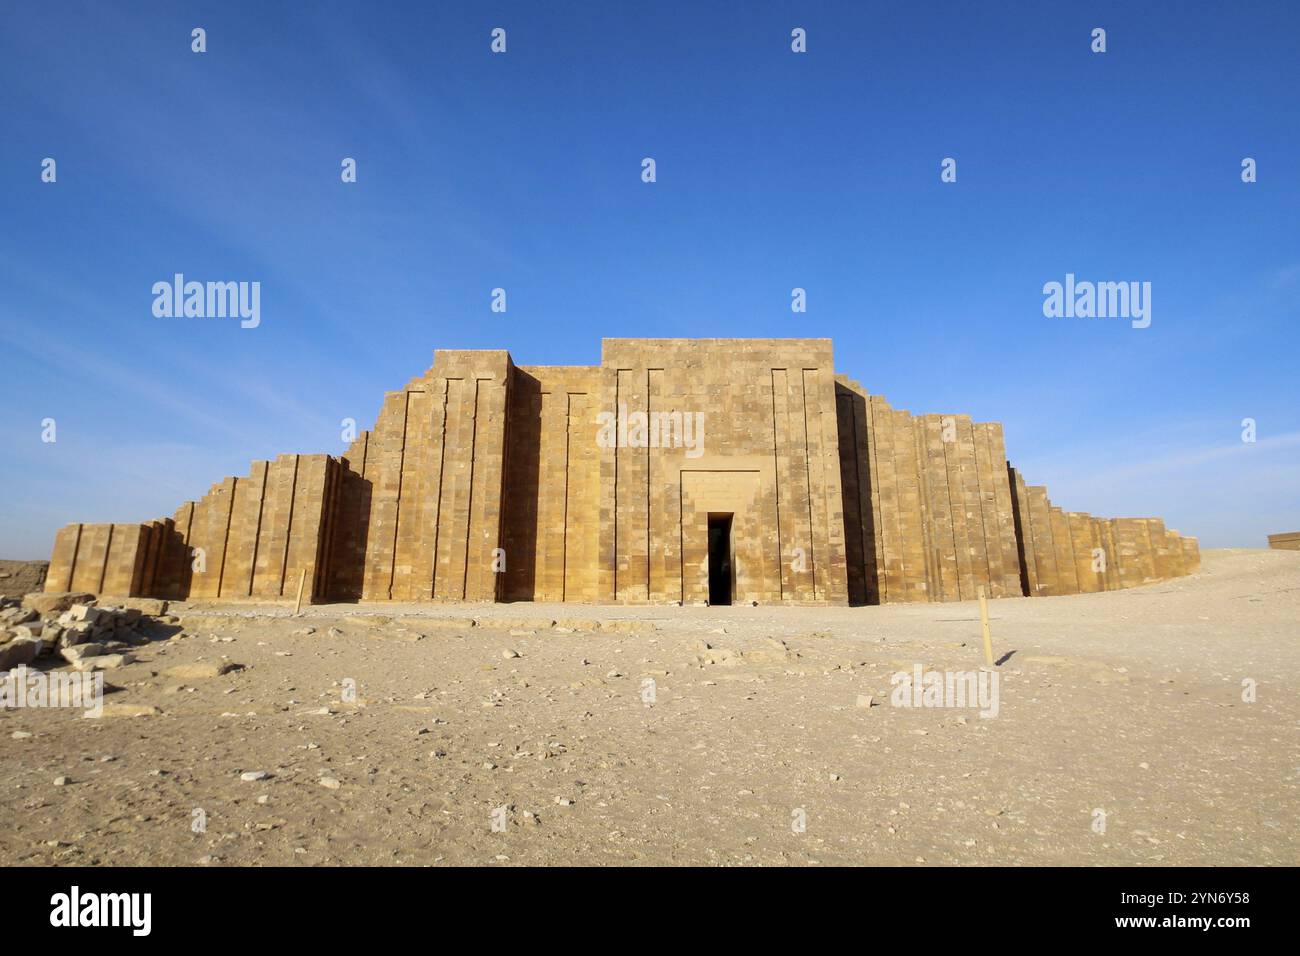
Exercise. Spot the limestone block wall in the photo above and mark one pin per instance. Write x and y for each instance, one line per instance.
(769, 458)
(253, 536)
(934, 512)
(345, 575)
(484, 481)
(928, 504)
(1073, 553)
(1286, 541)
(124, 560)
(249, 537)
(552, 502)
(421, 494)
(100, 558)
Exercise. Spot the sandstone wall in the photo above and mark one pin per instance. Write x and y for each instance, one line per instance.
(481, 481)
(769, 457)
(249, 537)
(1072, 553)
(552, 517)
(101, 558)
(434, 466)
(1287, 541)
(928, 503)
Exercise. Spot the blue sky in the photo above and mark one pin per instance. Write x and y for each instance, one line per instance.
(775, 170)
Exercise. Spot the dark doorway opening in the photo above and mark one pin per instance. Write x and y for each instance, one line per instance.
(719, 559)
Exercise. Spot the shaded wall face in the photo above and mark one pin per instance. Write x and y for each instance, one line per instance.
(551, 499)
(345, 570)
(859, 487)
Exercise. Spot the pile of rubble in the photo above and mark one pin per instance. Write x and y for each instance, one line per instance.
(87, 634)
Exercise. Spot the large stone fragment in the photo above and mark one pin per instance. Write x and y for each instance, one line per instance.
(21, 650)
(53, 603)
(153, 607)
(12, 616)
(76, 653)
(84, 612)
(129, 616)
(104, 662)
(77, 632)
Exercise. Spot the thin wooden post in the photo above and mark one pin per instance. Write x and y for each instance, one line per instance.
(984, 626)
(302, 579)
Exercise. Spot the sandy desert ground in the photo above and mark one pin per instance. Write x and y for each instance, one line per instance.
(1129, 703)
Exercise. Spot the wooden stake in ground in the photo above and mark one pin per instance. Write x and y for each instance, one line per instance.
(984, 626)
(302, 579)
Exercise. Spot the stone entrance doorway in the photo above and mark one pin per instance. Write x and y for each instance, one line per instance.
(720, 576)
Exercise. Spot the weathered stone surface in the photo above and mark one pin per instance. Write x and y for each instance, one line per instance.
(19, 650)
(18, 578)
(79, 651)
(82, 612)
(103, 662)
(53, 603)
(137, 606)
(78, 632)
(13, 616)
